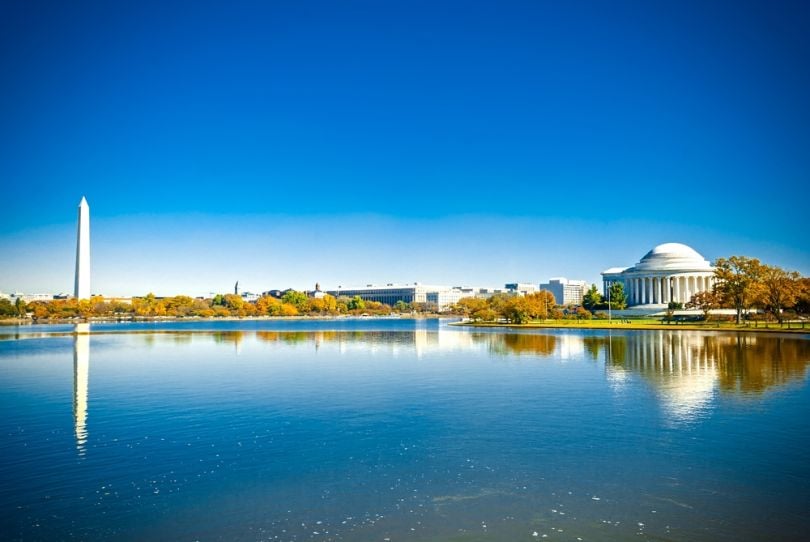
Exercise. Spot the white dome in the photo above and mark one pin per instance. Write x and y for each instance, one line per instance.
(673, 256)
(674, 250)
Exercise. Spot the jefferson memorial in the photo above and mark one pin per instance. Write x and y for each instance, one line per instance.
(669, 272)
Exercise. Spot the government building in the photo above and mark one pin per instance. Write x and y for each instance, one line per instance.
(566, 291)
(671, 272)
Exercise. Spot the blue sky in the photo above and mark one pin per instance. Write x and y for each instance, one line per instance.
(280, 143)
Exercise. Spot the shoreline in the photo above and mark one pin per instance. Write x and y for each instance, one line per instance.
(637, 327)
(173, 319)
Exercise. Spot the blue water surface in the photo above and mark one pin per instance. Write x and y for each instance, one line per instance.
(402, 430)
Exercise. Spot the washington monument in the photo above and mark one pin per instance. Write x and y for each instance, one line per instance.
(82, 285)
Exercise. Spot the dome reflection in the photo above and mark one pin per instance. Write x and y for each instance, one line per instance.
(687, 369)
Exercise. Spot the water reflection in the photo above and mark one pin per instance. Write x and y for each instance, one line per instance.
(518, 344)
(81, 377)
(687, 368)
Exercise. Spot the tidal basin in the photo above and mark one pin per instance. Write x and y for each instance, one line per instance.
(401, 430)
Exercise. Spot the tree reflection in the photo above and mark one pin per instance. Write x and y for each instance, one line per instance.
(521, 343)
(755, 363)
(742, 363)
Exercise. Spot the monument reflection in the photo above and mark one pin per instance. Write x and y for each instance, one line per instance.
(687, 368)
(81, 377)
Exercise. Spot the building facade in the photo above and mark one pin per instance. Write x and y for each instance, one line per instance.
(521, 288)
(388, 294)
(566, 292)
(443, 297)
(671, 272)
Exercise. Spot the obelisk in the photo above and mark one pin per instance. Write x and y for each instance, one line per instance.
(82, 290)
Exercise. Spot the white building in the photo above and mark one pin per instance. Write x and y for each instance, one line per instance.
(671, 272)
(521, 288)
(566, 292)
(443, 299)
(442, 296)
(28, 298)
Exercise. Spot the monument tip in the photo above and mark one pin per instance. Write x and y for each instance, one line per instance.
(83, 202)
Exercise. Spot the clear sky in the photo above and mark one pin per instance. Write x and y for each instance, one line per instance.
(283, 143)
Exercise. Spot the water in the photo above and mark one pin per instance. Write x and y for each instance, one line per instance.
(401, 430)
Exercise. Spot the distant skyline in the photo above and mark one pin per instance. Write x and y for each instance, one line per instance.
(282, 144)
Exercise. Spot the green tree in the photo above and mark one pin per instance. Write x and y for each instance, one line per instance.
(342, 303)
(618, 299)
(6, 308)
(592, 298)
(297, 299)
(738, 282)
(356, 304)
(21, 307)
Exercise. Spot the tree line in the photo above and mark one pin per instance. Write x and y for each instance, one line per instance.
(292, 303)
(741, 283)
(516, 308)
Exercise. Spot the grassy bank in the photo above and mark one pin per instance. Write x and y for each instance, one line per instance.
(648, 324)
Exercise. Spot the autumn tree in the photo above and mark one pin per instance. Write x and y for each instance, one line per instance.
(780, 289)
(100, 307)
(583, 314)
(539, 304)
(179, 305)
(803, 299)
(738, 282)
(498, 302)
(144, 306)
(704, 301)
(40, 309)
(467, 306)
(516, 310)
(287, 309)
(297, 299)
(268, 306)
(329, 303)
(233, 302)
(342, 303)
(118, 308)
